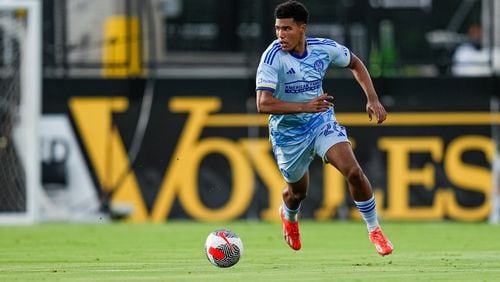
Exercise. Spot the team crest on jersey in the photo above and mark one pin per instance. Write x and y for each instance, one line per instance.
(318, 65)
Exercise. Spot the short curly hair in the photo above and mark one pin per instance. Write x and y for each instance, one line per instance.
(292, 9)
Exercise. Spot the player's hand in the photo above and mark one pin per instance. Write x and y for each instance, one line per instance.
(319, 104)
(375, 108)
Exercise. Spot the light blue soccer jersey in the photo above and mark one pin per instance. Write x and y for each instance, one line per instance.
(298, 79)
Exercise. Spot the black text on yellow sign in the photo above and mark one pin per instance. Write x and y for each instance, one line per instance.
(249, 157)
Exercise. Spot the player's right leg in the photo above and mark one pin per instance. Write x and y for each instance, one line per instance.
(293, 195)
(293, 162)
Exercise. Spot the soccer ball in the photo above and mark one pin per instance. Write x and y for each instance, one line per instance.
(223, 248)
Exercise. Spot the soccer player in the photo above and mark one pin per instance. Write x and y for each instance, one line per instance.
(302, 121)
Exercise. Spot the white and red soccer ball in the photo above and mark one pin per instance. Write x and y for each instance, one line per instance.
(223, 248)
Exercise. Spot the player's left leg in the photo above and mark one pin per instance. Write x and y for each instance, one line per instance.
(342, 157)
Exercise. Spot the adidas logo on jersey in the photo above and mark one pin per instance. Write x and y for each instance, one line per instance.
(290, 71)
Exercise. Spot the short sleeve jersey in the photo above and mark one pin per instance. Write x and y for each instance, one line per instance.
(298, 79)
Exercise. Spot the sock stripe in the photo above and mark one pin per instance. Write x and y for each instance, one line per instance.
(290, 215)
(287, 209)
(368, 212)
(367, 208)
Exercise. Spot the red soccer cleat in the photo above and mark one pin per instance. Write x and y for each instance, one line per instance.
(290, 232)
(382, 244)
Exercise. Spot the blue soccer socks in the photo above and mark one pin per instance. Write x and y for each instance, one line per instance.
(369, 212)
(290, 215)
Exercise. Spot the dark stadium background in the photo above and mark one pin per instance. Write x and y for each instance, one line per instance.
(211, 49)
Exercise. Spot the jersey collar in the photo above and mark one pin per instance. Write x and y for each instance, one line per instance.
(303, 55)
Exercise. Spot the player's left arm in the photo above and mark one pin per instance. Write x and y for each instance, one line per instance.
(362, 76)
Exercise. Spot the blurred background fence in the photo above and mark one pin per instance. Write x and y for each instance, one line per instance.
(224, 38)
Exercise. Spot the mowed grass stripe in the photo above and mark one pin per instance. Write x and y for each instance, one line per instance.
(332, 251)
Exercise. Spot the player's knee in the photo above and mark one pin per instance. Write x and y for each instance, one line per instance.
(355, 175)
(295, 195)
(299, 196)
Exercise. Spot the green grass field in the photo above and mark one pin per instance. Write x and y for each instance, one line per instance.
(332, 251)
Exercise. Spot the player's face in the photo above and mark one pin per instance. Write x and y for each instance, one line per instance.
(290, 34)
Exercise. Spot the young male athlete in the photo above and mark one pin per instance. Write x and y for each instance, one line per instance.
(302, 121)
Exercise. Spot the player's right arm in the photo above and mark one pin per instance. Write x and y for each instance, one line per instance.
(267, 104)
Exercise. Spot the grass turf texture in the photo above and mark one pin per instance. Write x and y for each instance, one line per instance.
(331, 251)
